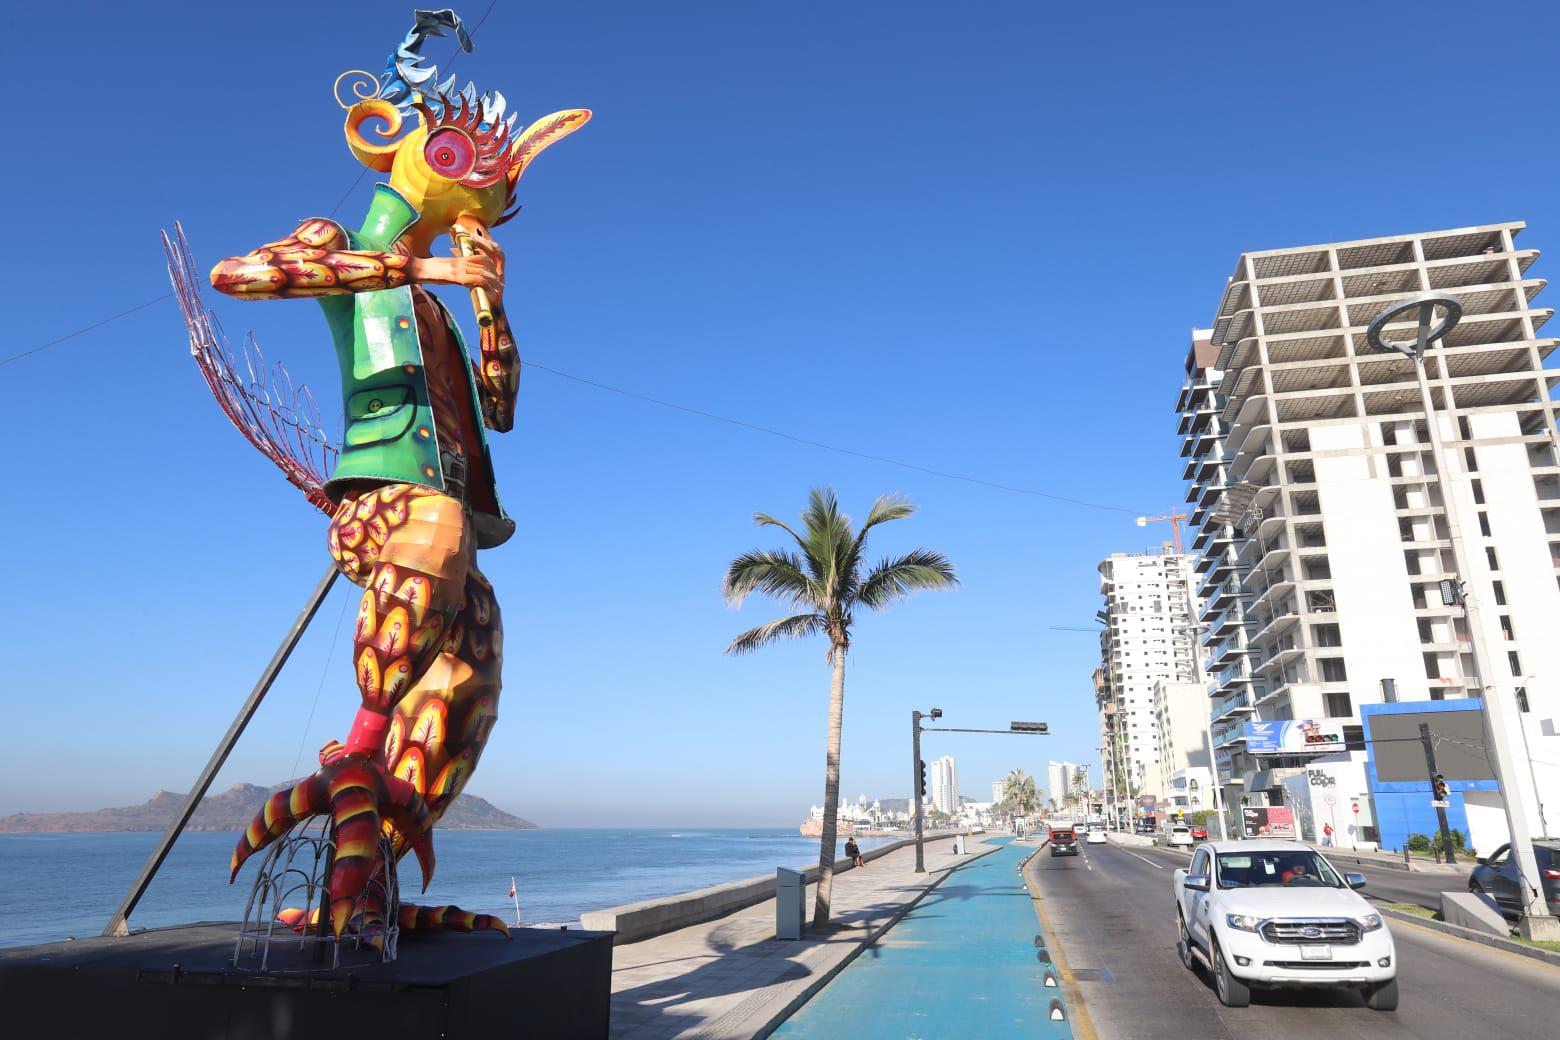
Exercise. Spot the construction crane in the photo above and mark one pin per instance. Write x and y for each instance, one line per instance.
(1173, 519)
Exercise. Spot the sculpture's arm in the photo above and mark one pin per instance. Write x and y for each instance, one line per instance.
(498, 374)
(314, 260)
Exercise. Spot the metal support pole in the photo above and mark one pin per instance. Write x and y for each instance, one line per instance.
(1440, 810)
(915, 788)
(119, 925)
(1535, 921)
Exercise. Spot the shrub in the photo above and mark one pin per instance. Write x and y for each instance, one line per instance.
(1419, 843)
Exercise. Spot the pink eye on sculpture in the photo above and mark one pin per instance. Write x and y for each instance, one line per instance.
(450, 153)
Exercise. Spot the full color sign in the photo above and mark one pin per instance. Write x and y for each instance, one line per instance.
(1294, 737)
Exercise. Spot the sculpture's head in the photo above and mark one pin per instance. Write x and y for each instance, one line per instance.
(461, 162)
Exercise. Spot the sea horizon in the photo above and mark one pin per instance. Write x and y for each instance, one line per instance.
(63, 885)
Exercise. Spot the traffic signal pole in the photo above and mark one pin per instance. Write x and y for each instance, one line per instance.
(915, 787)
(1436, 790)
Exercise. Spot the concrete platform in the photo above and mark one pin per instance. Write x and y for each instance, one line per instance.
(179, 982)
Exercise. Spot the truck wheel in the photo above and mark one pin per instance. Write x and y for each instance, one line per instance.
(1383, 996)
(1232, 992)
(1183, 944)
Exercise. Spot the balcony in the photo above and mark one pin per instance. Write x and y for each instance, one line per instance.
(1235, 707)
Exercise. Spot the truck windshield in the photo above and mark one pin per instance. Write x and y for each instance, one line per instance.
(1298, 869)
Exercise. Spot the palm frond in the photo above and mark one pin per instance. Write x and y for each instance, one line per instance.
(773, 572)
(828, 539)
(773, 631)
(888, 507)
(894, 579)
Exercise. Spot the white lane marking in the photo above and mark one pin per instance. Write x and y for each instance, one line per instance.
(1145, 859)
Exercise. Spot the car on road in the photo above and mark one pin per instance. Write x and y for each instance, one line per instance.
(1179, 835)
(1276, 914)
(1199, 832)
(1096, 836)
(1064, 841)
(1496, 877)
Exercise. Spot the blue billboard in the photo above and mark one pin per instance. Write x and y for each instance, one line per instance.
(1294, 737)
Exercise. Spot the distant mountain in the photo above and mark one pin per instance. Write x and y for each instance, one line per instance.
(230, 811)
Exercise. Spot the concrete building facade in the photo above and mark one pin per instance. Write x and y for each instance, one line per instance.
(943, 779)
(1148, 640)
(1320, 511)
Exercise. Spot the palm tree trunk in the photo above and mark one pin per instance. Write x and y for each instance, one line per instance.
(831, 793)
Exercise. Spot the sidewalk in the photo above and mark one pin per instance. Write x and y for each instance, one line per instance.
(731, 978)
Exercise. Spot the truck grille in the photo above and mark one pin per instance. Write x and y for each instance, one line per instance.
(1320, 930)
(1317, 965)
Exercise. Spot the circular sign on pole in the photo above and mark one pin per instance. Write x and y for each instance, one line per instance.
(1356, 808)
(1331, 799)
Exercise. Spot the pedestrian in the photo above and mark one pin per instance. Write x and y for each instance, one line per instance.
(1327, 834)
(853, 852)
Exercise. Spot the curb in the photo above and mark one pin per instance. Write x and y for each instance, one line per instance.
(796, 1003)
(1079, 1022)
(1482, 938)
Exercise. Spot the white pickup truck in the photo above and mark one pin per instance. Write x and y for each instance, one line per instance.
(1275, 914)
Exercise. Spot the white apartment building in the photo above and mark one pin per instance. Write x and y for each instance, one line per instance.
(1059, 780)
(944, 781)
(1148, 640)
(1185, 761)
(998, 790)
(1319, 508)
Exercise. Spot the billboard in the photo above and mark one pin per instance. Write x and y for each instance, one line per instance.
(1460, 747)
(1275, 821)
(1295, 737)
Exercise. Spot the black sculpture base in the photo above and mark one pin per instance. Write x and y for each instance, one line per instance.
(179, 982)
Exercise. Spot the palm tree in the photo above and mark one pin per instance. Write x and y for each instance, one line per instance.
(1019, 797)
(826, 580)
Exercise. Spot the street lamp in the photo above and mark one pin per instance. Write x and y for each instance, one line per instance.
(1436, 314)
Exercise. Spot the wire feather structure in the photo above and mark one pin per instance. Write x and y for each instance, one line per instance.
(276, 415)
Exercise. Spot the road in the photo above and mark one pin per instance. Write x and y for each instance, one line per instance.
(1112, 913)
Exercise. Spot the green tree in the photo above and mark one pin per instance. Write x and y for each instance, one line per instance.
(1019, 796)
(826, 579)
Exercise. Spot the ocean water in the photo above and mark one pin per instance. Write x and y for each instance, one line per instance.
(58, 885)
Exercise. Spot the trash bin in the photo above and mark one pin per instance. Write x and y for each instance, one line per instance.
(790, 894)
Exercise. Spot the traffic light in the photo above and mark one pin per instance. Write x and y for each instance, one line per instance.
(923, 778)
(1029, 727)
(1442, 792)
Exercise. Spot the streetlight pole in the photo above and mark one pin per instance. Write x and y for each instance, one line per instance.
(1536, 921)
(1038, 729)
(915, 784)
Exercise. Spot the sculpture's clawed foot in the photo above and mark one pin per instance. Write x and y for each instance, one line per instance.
(357, 794)
(448, 919)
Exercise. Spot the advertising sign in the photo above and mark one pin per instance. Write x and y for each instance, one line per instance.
(1275, 821)
(1294, 737)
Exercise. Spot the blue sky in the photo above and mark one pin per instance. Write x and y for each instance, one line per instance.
(973, 242)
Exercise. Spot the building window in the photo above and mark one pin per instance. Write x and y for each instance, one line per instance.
(1484, 523)
(1432, 666)
(1506, 631)
(1478, 491)
(1489, 554)
(1515, 662)
(1326, 635)
(1522, 700)
(1471, 461)
(1333, 670)
(1337, 705)
(1500, 593)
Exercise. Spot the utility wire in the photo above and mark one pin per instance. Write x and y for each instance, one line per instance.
(84, 329)
(827, 447)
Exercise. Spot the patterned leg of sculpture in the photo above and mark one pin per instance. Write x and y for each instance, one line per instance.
(409, 547)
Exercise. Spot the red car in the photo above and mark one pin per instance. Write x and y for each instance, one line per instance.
(1063, 841)
(1199, 833)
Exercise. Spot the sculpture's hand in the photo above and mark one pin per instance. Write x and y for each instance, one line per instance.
(484, 269)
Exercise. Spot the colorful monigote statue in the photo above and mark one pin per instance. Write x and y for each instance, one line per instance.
(412, 495)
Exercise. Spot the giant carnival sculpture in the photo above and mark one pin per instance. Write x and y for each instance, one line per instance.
(412, 496)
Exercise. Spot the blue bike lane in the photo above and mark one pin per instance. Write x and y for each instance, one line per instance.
(963, 963)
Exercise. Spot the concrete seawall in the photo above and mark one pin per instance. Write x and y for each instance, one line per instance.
(635, 921)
